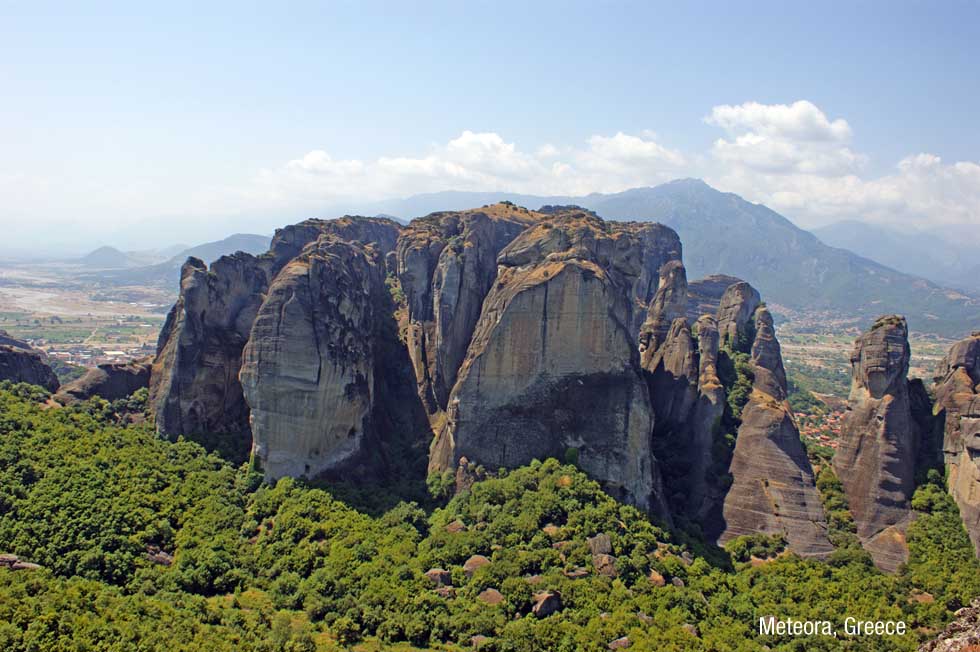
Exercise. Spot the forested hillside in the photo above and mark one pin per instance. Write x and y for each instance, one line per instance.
(152, 545)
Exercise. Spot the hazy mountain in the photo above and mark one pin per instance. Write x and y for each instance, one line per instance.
(931, 256)
(723, 233)
(167, 273)
(106, 258)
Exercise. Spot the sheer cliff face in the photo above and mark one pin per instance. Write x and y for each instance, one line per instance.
(879, 447)
(446, 264)
(773, 489)
(307, 369)
(958, 400)
(20, 363)
(194, 386)
(553, 365)
(194, 381)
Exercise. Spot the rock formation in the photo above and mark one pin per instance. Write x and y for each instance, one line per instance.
(773, 489)
(308, 367)
(958, 402)
(110, 381)
(21, 363)
(771, 486)
(552, 364)
(880, 442)
(194, 384)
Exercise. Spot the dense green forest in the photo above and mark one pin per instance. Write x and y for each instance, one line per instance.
(147, 544)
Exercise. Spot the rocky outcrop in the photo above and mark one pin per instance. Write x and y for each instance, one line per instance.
(307, 368)
(958, 404)
(446, 264)
(111, 381)
(552, 364)
(704, 295)
(194, 383)
(961, 635)
(773, 489)
(21, 363)
(879, 449)
(194, 387)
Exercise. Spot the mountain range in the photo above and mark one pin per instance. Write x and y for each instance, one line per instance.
(799, 273)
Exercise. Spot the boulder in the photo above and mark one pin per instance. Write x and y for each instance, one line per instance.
(473, 564)
(957, 391)
(657, 579)
(546, 603)
(439, 577)
(605, 565)
(600, 544)
(490, 596)
(620, 643)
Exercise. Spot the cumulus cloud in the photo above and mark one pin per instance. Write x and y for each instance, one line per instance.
(480, 161)
(798, 161)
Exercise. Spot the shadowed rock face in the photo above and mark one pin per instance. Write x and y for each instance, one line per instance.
(552, 364)
(194, 388)
(736, 312)
(704, 295)
(958, 401)
(880, 442)
(194, 383)
(21, 363)
(446, 264)
(307, 369)
(109, 381)
(773, 489)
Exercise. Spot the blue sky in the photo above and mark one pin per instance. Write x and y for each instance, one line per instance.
(118, 124)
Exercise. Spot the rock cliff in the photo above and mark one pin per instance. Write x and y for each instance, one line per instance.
(880, 442)
(109, 381)
(194, 383)
(21, 363)
(308, 367)
(553, 365)
(958, 403)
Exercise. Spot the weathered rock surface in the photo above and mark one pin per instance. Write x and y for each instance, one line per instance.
(194, 387)
(446, 264)
(21, 363)
(704, 295)
(194, 384)
(552, 364)
(961, 635)
(958, 403)
(307, 370)
(110, 381)
(773, 489)
(876, 461)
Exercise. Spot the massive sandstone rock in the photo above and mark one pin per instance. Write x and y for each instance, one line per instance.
(704, 295)
(958, 401)
(553, 364)
(773, 489)
(308, 366)
(880, 442)
(446, 264)
(194, 384)
(109, 381)
(21, 363)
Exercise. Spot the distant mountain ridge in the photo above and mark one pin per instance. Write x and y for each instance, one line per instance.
(722, 232)
(924, 254)
(168, 272)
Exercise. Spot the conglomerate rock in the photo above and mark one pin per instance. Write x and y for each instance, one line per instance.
(958, 402)
(880, 442)
(21, 363)
(110, 381)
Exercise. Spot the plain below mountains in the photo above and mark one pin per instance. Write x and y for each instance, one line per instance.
(798, 273)
(118, 268)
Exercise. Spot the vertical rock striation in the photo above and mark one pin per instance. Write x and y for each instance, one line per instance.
(308, 367)
(552, 364)
(958, 402)
(880, 442)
